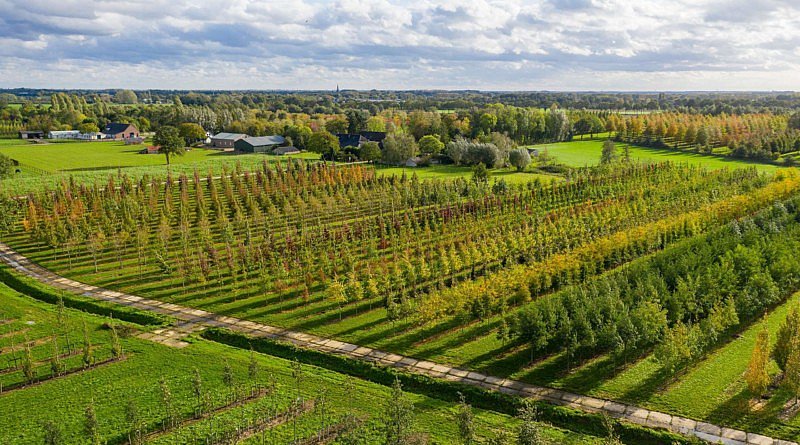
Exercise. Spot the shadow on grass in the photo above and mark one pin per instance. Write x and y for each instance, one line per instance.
(737, 413)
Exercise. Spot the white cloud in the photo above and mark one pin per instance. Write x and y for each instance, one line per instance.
(485, 44)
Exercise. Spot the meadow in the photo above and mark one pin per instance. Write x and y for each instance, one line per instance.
(87, 156)
(581, 153)
(47, 165)
(444, 172)
(237, 390)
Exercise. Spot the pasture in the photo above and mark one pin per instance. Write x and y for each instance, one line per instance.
(582, 153)
(47, 165)
(88, 156)
(443, 172)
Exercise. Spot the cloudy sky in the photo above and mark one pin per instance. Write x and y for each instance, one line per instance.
(388, 44)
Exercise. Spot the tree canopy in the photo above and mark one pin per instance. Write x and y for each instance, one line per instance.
(170, 142)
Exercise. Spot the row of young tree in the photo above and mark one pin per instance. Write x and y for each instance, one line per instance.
(763, 136)
(54, 356)
(682, 301)
(786, 354)
(597, 244)
(345, 235)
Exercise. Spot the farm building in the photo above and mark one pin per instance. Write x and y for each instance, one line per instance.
(64, 134)
(357, 140)
(31, 134)
(374, 136)
(285, 150)
(150, 150)
(118, 131)
(91, 136)
(226, 140)
(261, 144)
(350, 140)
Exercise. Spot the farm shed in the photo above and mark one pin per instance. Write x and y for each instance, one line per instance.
(261, 144)
(65, 134)
(226, 140)
(31, 134)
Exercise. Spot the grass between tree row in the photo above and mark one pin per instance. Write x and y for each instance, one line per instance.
(475, 342)
(112, 387)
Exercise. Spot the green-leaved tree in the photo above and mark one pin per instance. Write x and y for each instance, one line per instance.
(169, 141)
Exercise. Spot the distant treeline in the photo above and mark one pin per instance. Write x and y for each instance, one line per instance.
(375, 101)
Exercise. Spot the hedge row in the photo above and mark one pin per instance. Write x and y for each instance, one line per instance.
(567, 418)
(48, 294)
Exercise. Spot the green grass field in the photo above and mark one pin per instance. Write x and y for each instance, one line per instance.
(85, 156)
(88, 162)
(136, 378)
(510, 175)
(587, 153)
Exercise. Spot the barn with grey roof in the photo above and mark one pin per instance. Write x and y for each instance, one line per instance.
(260, 144)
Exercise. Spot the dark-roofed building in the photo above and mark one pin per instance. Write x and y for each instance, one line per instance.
(374, 136)
(350, 140)
(261, 144)
(31, 134)
(120, 131)
(226, 140)
(357, 140)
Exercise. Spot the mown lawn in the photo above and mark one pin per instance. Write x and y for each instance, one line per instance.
(510, 175)
(89, 162)
(136, 379)
(82, 156)
(582, 153)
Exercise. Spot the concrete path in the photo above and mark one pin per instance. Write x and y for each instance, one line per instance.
(194, 319)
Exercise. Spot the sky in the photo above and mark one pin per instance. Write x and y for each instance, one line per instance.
(558, 45)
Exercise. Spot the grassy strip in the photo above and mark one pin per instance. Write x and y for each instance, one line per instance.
(39, 291)
(574, 420)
